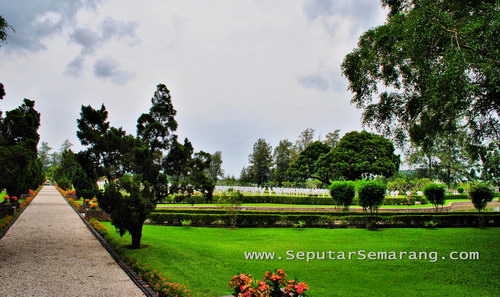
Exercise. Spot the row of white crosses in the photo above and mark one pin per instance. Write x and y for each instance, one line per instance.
(254, 191)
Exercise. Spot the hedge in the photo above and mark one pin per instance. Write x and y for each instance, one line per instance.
(317, 220)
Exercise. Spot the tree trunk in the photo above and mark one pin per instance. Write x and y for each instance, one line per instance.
(136, 233)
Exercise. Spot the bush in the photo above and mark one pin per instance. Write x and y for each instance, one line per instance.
(343, 193)
(481, 194)
(435, 193)
(64, 184)
(371, 193)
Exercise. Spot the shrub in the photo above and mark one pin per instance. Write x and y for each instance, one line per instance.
(371, 193)
(435, 193)
(98, 226)
(275, 284)
(64, 184)
(481, 194)
(343, 193)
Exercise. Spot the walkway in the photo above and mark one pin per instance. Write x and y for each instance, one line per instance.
(50, 252)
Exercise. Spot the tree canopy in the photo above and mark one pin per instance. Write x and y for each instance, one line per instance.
(434, 66)
(20, 168)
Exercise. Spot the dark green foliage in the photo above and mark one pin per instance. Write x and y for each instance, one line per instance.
(359, 155)
(4, 26)
(139, 169)
(305, 166)
(19, 168)
(321, 220)
(435, 193)
(260, 162)
(85, 187)
(343, 193)
(128, 200)
(481, 194)
(283, 156)
(439, 62)
(371, 193)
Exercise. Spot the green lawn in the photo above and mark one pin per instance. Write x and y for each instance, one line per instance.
(204, 259)
(312, 205)
(2, 194)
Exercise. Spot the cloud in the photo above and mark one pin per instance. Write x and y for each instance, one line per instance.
(332, 13)
(315, 81)
(75, 67)
(109, 68)
(35, 21)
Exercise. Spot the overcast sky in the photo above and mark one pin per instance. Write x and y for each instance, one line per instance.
(237, 70)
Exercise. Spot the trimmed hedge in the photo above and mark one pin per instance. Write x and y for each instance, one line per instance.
(317, 220)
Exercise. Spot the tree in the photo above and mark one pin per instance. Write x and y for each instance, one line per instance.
(4, 26)
(305, 166)
(305, 138)
(371, 194)
(481, 194)
(260, 162)
(435, 193)
(283, 156)
(215, 171)
(332, 138)
(19, 168)
(358, 155)
(438, 63)
(343, 193)
(135, 166)
(44, 155)
(2, 92)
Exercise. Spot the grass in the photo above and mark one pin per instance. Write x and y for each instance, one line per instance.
(311, 205)
(204, 259)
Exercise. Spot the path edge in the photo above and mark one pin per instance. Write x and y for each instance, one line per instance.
(4, 231)
(123, 265)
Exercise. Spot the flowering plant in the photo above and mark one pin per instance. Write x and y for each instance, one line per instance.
(159, 283)
(275, 284)
(86, 201)
(93, 206)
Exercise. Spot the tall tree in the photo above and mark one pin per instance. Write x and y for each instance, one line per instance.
(135, 166)
(4, 26)
(332, 138)
(283, 156)
(438, 63)
(20, 169)
(44, 155)
(306, 137)
(359, 155)
(305, 166)
(215, 171)
(260, 162)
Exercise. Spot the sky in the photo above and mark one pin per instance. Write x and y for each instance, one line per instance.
(237, 71)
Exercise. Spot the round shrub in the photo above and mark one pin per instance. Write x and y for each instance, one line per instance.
(435, 193)
(343, 193)
(371, 193)
(460, 190)
(481, 194)
(64, 184)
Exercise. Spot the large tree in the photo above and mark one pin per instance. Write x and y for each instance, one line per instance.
(434, 66)
(20, 168)
(135, 166)
(305, 138)
(260, 161)
(305, 167)
(359, 155)
(283, 156)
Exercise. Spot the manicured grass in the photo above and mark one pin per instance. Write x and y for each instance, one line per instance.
(2, 194)
(312, 205)
(204, 259)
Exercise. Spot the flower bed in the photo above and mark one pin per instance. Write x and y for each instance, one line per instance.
(12, 208)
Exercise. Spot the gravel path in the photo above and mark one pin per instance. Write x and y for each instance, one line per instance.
(50, 252)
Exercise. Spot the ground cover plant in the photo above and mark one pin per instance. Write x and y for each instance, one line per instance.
(204, 259)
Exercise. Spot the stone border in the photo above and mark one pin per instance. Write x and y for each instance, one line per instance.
(2, 234)
(125, 267)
